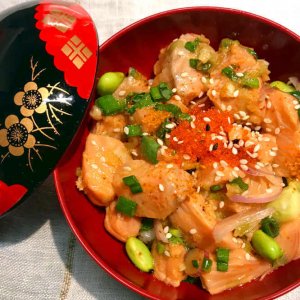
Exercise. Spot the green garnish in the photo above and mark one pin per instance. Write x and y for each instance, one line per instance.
(199, 66)
(160, 248)
(206, 264)
(126, 206)
(109, 105)
(149, 148)
(284, 87)
(222, 255)
(133, 184)
(216, 188)
(270, 226)
(173, 109)
(133, 130)
(161, 92)
(226, 43)
(185, 117)
(240, 183)
(140, 100)
(252, 52)
(147, 224)
(195, 263)
(230, 73)
(192, 46)
(249, 82)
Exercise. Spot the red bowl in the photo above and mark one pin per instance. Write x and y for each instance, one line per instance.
(138, 45)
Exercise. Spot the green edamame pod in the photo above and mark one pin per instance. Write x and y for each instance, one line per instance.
(109, 82)
(139, 254)
(266, 246)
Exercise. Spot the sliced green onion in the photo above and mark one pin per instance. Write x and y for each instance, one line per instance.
(195, 263)
(147, 224)
(161, 92)
(175, 232)
(173, 109)
(240, 183)
(140, 100)
(198, 65)
(133, 184)
(270, 226)
(252, 52)
(249, 82)
(222, 255)
(230, 73)
(296, 94)
(166, 92)
(185, 117)
(216, 188)
(160, 248)
(282, 86)
(192, 46)
(163, 130)
(109, 105)
(206, 264)
(226, 43)
(149, 148)
(126, 206)
(133, 130)
(155, 93)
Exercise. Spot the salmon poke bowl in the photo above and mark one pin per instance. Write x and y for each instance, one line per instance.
(184, 182)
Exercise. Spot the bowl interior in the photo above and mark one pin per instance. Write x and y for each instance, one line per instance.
(138, 45)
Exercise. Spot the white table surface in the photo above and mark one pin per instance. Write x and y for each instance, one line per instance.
(39, 256)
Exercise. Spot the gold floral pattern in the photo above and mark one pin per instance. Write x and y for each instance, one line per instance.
(16, 136)
(32, 99)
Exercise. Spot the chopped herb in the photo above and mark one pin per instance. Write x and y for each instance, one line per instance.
(156, 94)
(161, 92)
(163, 130)
(222, 255)
(126, 206)
(252, 52)
(249, 82)
(147, 224)
(206, 264)
(270, 226)
(222, 267)
(195, 263)
(109, 105)
(226, 43)
(134, 130)
(133, 184)
(173, 109)
(230, 73)
(198, 65)
(296, 94)
(192, 46)
(240, 183)
(217, 187)
(160, 248)
(149, 148)
(185, 117)
(140, 100)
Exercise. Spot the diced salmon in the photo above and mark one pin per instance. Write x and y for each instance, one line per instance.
(225, 93)
(163, 189)
(149, 118)
(196, 219)
(112, 126)
(282, 120)
(101, 157)
(173, 67)
(119, 225)
(242, 269)
(169, 266)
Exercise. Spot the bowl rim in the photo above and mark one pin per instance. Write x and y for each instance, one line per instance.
(103, 46)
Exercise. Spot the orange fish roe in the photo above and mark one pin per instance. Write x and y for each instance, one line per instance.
(205, 139)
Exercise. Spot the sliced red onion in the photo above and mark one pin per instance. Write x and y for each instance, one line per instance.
(262, 198)
(252, 215)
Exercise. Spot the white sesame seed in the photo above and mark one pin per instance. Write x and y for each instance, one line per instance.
(214, 93)
(166, 229)
(256, 148)
(170, 125)
(211, 81)
(220, 174)
(235, 240)
(145, 133)
(277, 130)
(126, 130)
(198, 189)
(180, 142)
(257, 128)
(229, 108)
(186, 156)
(297, 106)
(193, 231)
(180, 53)
(243, 245)
(184, 74)
(230, 145)
(248, 257)
(174, 90)
(269, 104)
(217, 178)
(241, 143)
(160, 142)
(206, 119)
(193, 102)
(244, 167)
(245, 118)
(169, 166)
(211, 147)
(272, 153)
(239, 74)
(168, 235)
(236, 169)
(122, 93)
(175, 139)
(94, 166)
(253, 155)
(127, 168)
(167, 136)
(177, 97)
(215, 165)
(237, 116)
(167, 253)
(224, 163)
(275, 165)
(134, 153)
(295, 102)
(242, 113)
(103, 159)
(229, 120)
(243, 161)
(269, 191)
(261, 164)
(221, 204)
(204, 80)
(193, 118)
(117, 130)
(274, 148)
(267, 120)
(266, 139)
(192, 124)
(201, 93)
(234, 174)
(248, 123)
(234, 151)
(257, 166)
(223, 107)
(161, 187)
(268, 130)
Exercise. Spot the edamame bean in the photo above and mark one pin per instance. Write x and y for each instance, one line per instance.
(266, 246)
(109, 82)
(139, 254)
